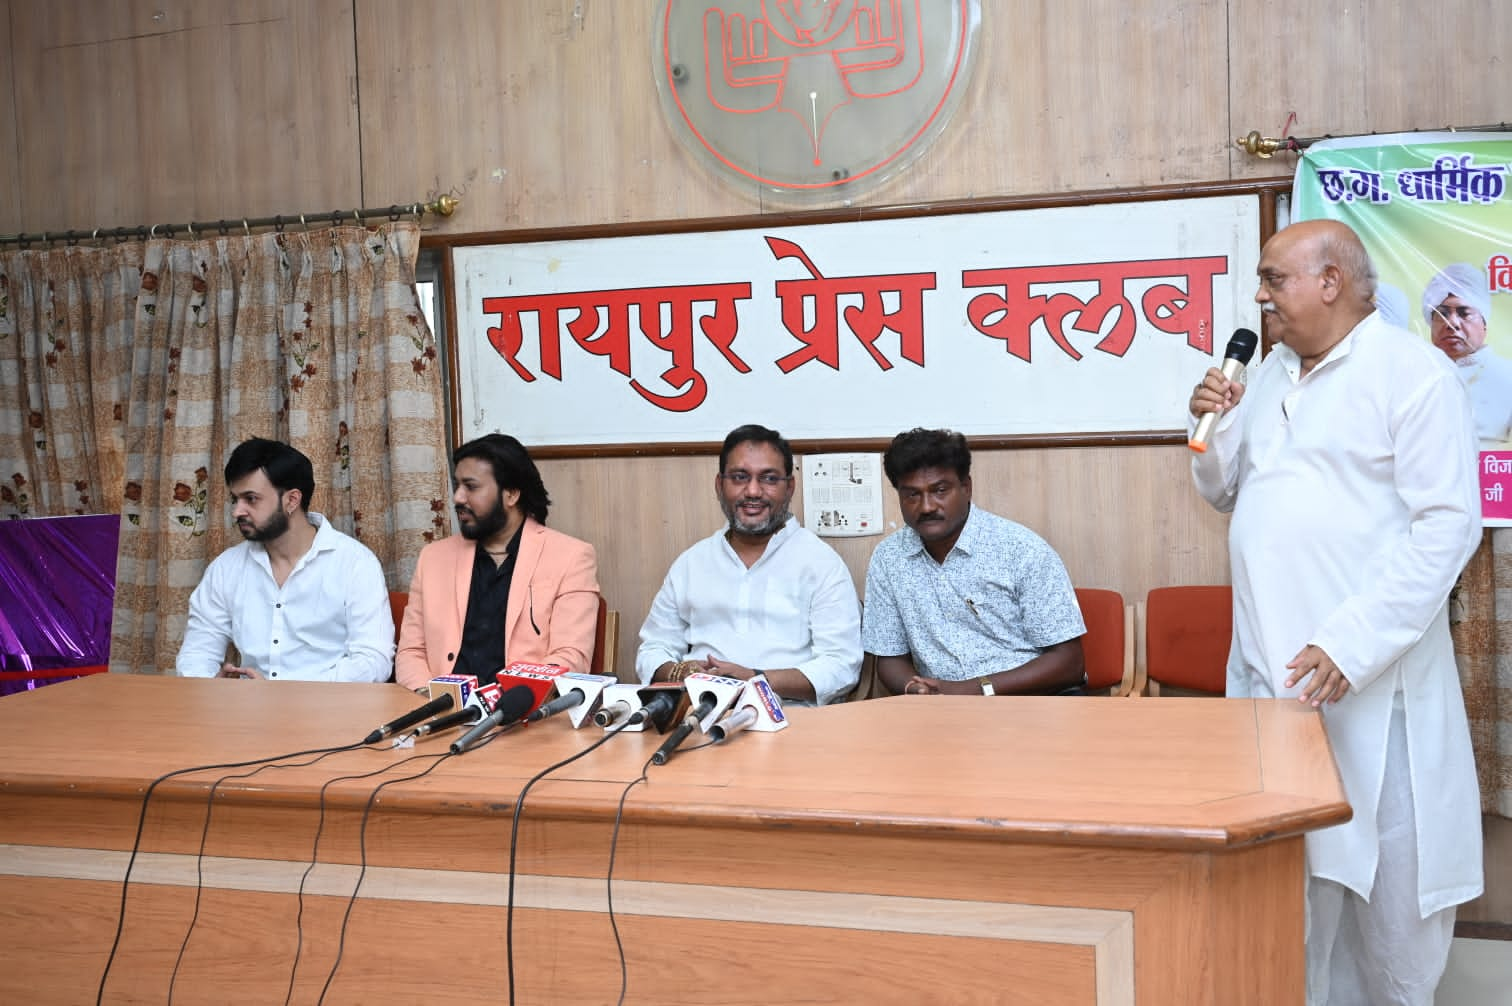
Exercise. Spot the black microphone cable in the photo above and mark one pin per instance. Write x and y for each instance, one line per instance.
(440, 756)
(315, 858)
(142, 824)
(199, 858)
(514, 838)
(619, 813)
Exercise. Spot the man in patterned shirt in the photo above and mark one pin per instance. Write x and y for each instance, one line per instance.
(962, 601)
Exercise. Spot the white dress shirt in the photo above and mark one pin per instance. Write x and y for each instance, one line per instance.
(330, 621)
(1354, 495)
(795, 606)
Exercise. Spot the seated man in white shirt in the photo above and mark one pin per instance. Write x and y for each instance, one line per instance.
(760, 596)
(299, 599)
(1457, 308)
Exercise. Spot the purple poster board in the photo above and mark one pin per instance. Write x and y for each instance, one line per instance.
(57, 583)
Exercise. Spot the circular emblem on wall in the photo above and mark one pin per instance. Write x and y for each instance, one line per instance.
(813, 100)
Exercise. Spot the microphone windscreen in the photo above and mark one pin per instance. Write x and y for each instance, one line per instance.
(1241, 346)
(515, 703)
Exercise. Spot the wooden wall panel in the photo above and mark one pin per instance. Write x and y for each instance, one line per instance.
(1125, 519)
(537, 114)
(546, 114)
(142, 112)
(10, 168)
(1379, 68)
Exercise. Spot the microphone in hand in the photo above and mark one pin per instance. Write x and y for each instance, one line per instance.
(1237, 355)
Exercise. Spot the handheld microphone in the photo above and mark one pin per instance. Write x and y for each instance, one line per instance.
(1241, 347)
(539, 678)
(439, 704)
(756, 708)
(478, 705)
(661, 705)
(717, 689)
(733, 724)
(512, 707)
(579, 693)
(620, 703)
(688, 725)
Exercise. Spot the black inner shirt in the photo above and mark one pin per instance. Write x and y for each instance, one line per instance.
(482, 650)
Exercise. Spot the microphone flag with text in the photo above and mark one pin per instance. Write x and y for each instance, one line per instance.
(483, 700)
(1236, 356)
(636, 706)
(757, 708)
(577, 695)
(539, 678)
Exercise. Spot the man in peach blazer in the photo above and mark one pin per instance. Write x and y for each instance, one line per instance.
(508, 588)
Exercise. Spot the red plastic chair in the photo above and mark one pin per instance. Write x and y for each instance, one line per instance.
(1187, 635)
(1108, 646)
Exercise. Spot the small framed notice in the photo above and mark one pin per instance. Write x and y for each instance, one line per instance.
(842, 494)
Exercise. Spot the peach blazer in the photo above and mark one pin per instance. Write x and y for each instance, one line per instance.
(551, 615)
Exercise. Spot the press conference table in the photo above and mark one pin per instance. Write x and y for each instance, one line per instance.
(917, 849)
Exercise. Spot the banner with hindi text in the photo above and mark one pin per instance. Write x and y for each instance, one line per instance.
(1435, 215)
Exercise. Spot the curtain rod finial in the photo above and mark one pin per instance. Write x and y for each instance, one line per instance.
(1257, 145)
(445, 205)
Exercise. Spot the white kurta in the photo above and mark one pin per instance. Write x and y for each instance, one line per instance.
(1355, 506)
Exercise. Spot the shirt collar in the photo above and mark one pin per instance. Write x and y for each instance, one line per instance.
(968, 539)
(1293, 363)
(781, 535)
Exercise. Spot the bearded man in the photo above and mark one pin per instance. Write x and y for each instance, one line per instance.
(509, 588)
(761, 595)
(297, 598)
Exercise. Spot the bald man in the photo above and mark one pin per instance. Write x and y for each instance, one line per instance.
(1349, 466)
(1457, 308)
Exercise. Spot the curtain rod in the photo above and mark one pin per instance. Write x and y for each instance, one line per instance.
(1265, 146)
(443, 206)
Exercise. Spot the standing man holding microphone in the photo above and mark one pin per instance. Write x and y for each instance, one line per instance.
(1349, 466)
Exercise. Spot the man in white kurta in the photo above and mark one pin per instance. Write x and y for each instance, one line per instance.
(762, 595)
(1349, 466)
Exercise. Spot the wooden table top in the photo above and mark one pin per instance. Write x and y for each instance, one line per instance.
(1179, 773)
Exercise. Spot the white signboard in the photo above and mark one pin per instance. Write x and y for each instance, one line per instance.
(1077, 320)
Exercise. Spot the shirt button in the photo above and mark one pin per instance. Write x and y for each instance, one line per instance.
(272, 674)
(451, 656)
(275, 642)
(278, 605)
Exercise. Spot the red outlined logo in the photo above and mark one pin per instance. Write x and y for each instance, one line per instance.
(823, 97)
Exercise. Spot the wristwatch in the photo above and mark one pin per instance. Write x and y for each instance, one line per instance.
(986, 684)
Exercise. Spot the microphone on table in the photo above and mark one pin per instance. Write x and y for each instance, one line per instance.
(539, 678)
(632, 707)
(660, 705)
(757, 707)
(440, 704)
(1240, 349)
(479, 704)
(720, 691)
(689, 724)
(579, 693)
(513, 705)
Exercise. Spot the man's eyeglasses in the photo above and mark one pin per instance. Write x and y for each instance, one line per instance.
(767, 480)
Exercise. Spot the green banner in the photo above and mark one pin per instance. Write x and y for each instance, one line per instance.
(1434, 211)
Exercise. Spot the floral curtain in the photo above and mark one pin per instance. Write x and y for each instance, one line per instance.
(128, 372)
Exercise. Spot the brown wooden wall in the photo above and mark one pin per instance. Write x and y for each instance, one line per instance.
(543, 114)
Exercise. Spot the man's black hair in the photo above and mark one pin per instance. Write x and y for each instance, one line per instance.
(512, 469)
